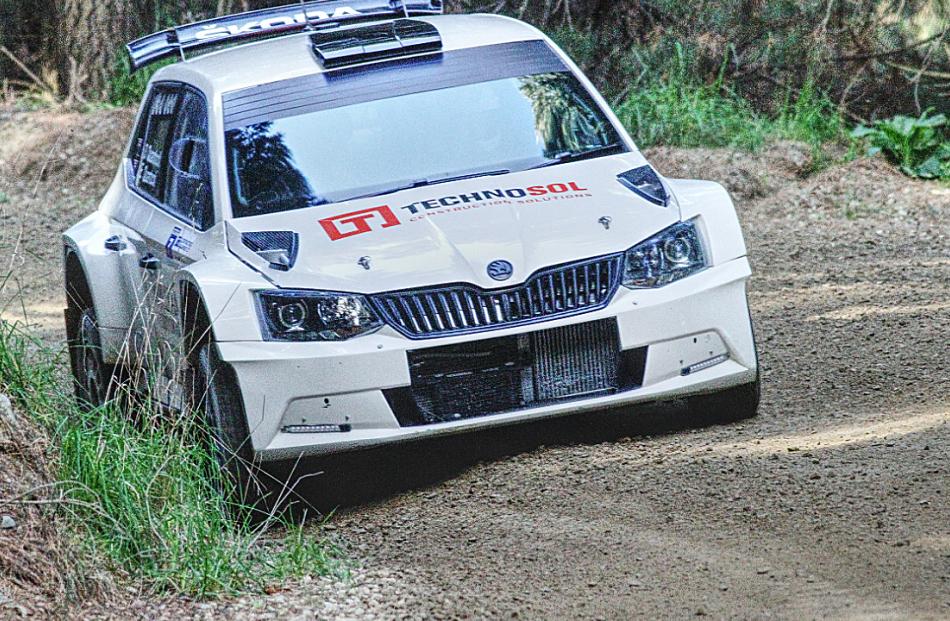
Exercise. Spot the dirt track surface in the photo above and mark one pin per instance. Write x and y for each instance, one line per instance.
(833, 503)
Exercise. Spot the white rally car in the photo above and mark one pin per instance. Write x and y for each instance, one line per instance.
(372, 223)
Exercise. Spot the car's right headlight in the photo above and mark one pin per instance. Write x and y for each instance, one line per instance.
(315, 315)
(666, 257)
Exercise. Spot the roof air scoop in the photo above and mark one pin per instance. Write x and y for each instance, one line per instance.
(336, 48)
(278, 248)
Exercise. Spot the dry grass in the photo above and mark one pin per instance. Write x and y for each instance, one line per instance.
(39, 570)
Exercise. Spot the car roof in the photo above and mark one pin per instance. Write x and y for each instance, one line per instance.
(291, 56)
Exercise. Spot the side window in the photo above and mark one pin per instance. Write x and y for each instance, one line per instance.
(189, 166)
(150, 149)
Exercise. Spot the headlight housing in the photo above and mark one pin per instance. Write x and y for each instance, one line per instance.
(669, 256)
(315, 315)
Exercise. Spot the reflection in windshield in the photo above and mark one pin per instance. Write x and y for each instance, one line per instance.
(377, 147)
(269, 179)
(566, 123)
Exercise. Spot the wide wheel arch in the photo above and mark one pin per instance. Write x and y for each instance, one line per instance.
(196, 326)
(78, 293)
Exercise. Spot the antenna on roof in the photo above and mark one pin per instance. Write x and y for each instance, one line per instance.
(268, 22)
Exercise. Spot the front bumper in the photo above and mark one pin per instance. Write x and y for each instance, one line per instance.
(686, 323)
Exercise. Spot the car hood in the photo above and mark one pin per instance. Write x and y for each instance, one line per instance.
(450, 233)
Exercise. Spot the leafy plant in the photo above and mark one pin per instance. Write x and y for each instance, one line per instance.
(917, 145)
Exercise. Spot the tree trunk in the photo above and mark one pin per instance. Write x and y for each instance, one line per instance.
(92, 35)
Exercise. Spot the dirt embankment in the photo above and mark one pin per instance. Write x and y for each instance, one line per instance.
(833, 503)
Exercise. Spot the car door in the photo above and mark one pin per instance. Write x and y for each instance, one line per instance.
(171, 188)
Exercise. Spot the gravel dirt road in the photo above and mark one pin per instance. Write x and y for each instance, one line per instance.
(833, 503)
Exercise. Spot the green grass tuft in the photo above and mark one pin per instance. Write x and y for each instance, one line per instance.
(144, 495)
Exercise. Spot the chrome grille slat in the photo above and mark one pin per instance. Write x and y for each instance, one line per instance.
(561, 291)
(471, 308)
(430, 300)
(444, 305)
(460, 308)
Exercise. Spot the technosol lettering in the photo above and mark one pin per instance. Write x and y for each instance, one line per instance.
(383, 217)
(522, 195)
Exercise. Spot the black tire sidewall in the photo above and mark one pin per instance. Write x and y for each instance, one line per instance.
(219, 401)
(79, 351)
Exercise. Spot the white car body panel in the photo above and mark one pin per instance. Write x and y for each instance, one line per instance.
(412, 239)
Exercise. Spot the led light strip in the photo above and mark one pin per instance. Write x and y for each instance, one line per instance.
(705, 364)
(317, 428)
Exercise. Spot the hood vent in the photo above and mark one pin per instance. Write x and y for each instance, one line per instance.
(646, 183)
(278, 248)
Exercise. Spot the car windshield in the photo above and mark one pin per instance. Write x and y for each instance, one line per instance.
(382, 146)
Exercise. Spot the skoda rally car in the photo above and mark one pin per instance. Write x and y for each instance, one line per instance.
(371, 223)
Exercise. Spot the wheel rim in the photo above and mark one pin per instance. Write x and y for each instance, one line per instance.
(90, 361)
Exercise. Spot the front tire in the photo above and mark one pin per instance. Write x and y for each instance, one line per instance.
(95, 381)
(218, 397)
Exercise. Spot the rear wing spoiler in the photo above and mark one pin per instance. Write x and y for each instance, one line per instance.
(268, 22)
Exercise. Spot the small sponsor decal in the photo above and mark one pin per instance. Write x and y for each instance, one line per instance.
(177, 242)
(359, 222)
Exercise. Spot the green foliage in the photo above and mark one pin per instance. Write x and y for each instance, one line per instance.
(144, 496)
(850, 49)
(127, 88)
(676, 109)
(809, 116)
(916, 144)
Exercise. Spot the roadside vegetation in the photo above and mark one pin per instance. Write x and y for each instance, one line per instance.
(146, 497)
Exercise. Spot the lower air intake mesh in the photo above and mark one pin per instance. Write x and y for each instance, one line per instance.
(507, 374)
(576, 360)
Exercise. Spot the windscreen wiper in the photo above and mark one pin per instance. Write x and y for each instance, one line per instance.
(420, 183)
(576, 156)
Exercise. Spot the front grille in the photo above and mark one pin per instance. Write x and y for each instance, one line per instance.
(460, 309)
(512, 373)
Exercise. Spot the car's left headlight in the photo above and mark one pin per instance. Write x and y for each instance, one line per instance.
(315, 315)
(669, 256)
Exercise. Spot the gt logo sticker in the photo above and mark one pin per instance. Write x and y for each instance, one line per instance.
(359, 222)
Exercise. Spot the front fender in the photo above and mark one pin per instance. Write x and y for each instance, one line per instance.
(711, 203)
(226, 286)
(105, 279)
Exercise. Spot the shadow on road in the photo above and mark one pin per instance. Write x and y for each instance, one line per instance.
(362, 477)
